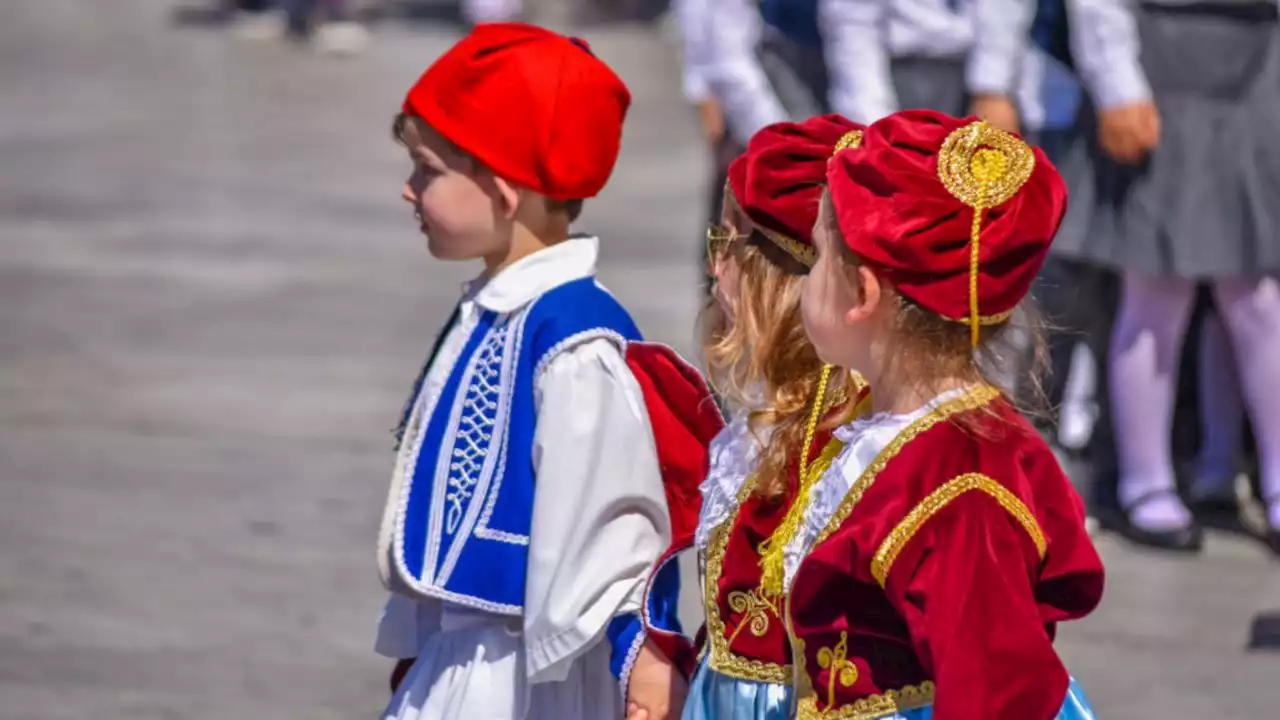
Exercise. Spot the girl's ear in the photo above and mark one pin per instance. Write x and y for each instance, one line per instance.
(868, 295)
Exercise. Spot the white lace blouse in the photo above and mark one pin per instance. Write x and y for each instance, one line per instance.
(735, 452)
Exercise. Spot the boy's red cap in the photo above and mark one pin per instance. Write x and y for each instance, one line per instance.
(779, 179)
(956, 214)
(537, 108)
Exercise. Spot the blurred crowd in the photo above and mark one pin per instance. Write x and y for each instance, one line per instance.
(340, 27)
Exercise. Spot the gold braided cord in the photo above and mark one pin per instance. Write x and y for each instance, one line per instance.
(815, 416)
(983, 168)
(772, 550)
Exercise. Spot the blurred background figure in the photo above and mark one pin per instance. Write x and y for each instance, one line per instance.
(864, 58)
(1076, 298)
(1173, 183)
(956, 56)
(696, 30)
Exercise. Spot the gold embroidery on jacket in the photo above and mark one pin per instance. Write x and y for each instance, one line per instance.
(722, 658)
(836, 663)
(902, 533)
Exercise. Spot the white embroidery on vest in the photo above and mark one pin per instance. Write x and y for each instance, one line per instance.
(475, 427)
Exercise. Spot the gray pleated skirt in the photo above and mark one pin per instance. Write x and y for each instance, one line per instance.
(1206, 203)
(930, 83)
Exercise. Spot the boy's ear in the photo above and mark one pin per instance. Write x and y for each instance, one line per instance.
(508, 196)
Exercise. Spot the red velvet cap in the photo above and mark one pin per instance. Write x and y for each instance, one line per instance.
(906, 201)
(537, 108)
(778, 181)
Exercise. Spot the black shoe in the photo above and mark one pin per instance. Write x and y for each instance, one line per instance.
(1188, 539)
(1215, 507)
(1213, 496)
(1266, 632)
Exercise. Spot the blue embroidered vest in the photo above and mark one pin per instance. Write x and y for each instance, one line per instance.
(1050, 31)
(461, 532)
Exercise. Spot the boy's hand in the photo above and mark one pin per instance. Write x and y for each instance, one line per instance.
(997, 109)
(399, 671)
(655, 690)
(1128, 132)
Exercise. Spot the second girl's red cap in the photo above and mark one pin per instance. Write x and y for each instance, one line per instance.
(779, 179)
(535, 107)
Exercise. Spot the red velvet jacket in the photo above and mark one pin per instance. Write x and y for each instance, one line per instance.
(745, 634)
(942, 575)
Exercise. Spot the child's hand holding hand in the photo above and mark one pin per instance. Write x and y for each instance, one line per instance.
(656, 690)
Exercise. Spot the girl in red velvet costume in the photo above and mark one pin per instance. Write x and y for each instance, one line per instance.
(759, 359)
(943, 544)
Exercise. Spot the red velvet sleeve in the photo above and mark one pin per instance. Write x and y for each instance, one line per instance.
(964, 584)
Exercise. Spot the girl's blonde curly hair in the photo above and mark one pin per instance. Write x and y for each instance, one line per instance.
(761, 360)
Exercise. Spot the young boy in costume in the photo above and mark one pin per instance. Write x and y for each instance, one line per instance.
(942, 544)
(527, 506)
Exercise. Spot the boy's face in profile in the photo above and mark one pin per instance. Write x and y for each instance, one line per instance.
(454, 200)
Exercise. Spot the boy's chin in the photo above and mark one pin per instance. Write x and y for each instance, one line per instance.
(450, 249)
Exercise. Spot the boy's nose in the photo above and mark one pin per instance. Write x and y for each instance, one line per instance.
(407, 193)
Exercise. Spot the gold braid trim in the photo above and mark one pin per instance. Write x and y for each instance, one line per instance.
(902, 533)
(870, 708)
(801, 253)
(971, 400)
(982, 319)
(983, 168)
(722, 659)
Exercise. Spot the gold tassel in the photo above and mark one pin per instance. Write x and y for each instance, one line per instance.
(982, 167)
(772, 550)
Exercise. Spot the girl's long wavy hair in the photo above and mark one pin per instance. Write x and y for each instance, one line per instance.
(762, 361)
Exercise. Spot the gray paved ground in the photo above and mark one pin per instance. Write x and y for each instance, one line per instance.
(211, 302)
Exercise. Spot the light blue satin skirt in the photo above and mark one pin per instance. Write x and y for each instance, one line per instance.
(1075, 707)
(713, 696)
